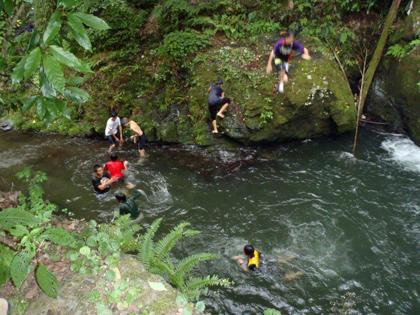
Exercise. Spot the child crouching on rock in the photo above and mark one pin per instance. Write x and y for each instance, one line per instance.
(216, 99)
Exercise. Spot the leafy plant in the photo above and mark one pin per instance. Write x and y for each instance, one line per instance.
(29, 224)
(45, 54)
(179, 44)
(156, 257)
(267, 114)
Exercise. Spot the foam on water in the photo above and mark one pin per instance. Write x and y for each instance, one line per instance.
(403, 151)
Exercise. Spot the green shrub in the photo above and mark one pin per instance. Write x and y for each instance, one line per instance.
(180, 44)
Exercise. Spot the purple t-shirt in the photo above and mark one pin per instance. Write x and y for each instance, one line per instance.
(282, 50)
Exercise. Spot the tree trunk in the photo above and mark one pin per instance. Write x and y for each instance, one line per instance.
(374, 62)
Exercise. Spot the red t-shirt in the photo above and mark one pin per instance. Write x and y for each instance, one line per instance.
(115, 168)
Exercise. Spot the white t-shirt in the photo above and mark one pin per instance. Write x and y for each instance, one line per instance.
(112, 125)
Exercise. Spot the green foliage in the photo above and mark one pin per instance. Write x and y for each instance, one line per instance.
(47, 281)
(271, 311)
(180, 44)
(268, 113)
(40, 63)
(156, 257)
(27, 223)
(399, 51)
(10, 218)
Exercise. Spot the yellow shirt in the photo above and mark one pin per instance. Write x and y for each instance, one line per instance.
(254, 260)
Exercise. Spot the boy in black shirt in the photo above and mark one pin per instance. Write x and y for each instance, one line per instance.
(101, 180)
(217, 98)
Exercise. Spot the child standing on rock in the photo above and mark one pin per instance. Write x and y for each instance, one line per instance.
(281, 55)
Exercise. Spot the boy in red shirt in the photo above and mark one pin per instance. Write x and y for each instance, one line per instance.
(115, 167)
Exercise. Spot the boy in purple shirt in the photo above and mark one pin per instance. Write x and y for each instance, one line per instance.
(282, 53)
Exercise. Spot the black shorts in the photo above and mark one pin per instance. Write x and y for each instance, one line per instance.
(111, 138)
(213, 107)
(141, 141)
(280, 62)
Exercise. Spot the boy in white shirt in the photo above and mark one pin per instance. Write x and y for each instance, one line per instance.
(113, 131)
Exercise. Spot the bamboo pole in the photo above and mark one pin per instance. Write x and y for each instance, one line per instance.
(373, 64)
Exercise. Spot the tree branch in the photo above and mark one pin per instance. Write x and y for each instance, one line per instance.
(12, 24)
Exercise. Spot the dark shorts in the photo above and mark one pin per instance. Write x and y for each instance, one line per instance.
(111, 139)
(213, 107)
(280, 62)
(141, 141)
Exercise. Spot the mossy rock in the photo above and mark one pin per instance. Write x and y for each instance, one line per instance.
(317, 103)
(395, 92)
(131, 294)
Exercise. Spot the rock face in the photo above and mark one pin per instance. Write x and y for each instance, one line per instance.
(395, 92)
(131, 294)
(317, 101)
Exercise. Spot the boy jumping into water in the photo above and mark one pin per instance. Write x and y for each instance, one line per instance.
(281, 55)
(139, 136)
(217, 98)
(113, 131)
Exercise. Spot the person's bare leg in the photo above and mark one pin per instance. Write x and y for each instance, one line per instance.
(281, 83)
(292, 276)
(112, 147)
(222, 110)
(129, 186)
(214, 123)
(286, 259)
(142, 153)
(126, 164)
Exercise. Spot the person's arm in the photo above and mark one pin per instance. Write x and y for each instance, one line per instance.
(208, 90)
(121, 134)
(125, 165)
(306, 54)
(106, 184)
(136, 195)
(270, 62)
(113, 134)
(241, 262)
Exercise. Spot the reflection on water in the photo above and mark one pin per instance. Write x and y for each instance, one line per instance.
(352, 225)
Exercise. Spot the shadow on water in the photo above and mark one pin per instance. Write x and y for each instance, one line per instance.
(353, 225)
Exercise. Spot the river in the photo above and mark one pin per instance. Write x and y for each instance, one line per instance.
(353, 225)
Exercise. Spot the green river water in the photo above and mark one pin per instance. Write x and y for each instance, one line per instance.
(352, 225)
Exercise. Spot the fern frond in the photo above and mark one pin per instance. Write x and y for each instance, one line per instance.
(146, 248)
(185, 265)
(161, 267)
(194, 285)
(191, 232)
(165, 245)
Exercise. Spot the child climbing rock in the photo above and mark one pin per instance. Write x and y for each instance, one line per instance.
(281, 55)
(217, 98)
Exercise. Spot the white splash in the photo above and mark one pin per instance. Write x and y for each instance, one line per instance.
(403, 151)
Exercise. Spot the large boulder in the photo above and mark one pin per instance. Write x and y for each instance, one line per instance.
(317, 101)
(395, 93)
